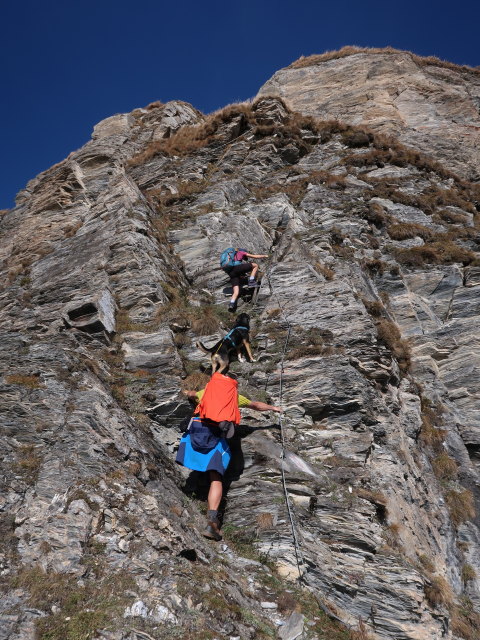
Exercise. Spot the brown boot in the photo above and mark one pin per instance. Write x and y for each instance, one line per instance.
(212, 530)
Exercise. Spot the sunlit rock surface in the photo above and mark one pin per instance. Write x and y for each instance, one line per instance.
(367, 319)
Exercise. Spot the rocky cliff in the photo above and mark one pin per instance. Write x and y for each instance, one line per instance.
(367, 315)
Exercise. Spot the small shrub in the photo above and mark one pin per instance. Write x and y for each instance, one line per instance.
(154, 105)
(461, 505)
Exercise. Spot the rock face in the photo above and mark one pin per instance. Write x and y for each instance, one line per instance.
(365, 329)
(426, 104)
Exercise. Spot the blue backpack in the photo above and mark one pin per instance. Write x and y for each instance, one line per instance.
(227, 259)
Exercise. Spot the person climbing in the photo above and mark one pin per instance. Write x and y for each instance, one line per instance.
(204, 446)
(235, 263)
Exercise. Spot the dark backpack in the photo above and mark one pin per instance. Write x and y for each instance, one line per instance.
(227, 259)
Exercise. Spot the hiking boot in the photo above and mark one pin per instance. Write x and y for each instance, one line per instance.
(212, 532)
(252, 284)
(232, 307)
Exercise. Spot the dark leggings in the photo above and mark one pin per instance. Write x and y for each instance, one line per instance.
(238, 271)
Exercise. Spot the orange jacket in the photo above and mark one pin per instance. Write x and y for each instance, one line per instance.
(220, 400)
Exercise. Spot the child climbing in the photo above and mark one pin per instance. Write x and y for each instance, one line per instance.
(204, 446)
(235, 263)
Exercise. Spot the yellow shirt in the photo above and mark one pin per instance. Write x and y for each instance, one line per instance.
(242, 400)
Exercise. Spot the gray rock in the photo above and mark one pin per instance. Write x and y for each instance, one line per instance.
(293, 627)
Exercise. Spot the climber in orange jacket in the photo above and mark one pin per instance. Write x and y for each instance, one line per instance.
(204, 446)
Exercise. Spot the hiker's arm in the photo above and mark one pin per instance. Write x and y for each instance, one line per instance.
(254, 255)
(262, 406)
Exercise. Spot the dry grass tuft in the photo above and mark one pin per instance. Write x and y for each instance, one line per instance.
(190, 138)
(326, 272)
(195, 381)
(449, 217)
(444, 467)
(468, 573)
(375, 266)
(28, 463)
(376, 214)
(446, 252)
(308, 61)
(439, 592)
(404, 231)
(374, 307)
(264, 521)
(161, 198)
(296, 189)
(154, 105)
(461, 505)
(426, 563)
(389, 335)
(431, 434)
(465, 621)
(31, 382)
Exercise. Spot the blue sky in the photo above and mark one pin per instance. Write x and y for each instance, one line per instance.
(66, 65)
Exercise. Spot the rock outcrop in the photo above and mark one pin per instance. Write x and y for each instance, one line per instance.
(427, 104)
(364, 328)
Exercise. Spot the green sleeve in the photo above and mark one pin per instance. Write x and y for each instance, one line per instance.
(243, 401)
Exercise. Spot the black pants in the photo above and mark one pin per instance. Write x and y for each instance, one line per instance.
(238, 271)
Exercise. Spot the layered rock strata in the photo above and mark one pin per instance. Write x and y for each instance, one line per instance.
(110, 265)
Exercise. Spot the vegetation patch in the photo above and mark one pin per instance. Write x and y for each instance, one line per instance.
(308, 61)
(28, 463)
(83, 609)
(438, 252)
(432, 434)
(438, 592)
(444, 467)
(31, 382)
(461, 505)
(389, 335)
(465, 621)
(468, 573)
(405, 231)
